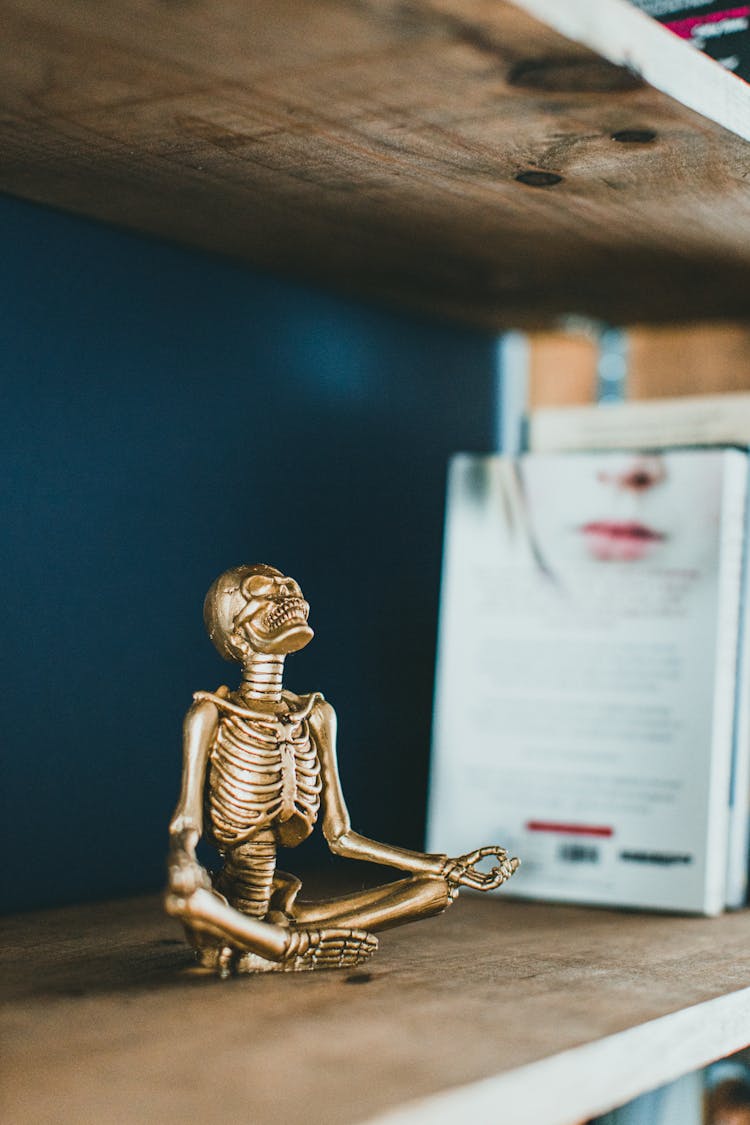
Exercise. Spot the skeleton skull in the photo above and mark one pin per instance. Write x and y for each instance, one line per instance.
(256, 608)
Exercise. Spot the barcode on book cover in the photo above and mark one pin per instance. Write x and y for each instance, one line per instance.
(660, 859)
(578, 853)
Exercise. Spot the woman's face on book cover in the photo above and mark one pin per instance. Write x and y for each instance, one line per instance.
(661, 509)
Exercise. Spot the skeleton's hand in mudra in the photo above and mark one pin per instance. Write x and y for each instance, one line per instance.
(463, 872)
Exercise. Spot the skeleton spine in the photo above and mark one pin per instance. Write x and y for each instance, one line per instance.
(247, 876)
(261, 677)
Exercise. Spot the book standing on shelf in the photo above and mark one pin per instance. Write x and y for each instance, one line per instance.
(586, 670)
(659, 424)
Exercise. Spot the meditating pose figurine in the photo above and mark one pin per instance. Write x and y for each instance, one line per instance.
(258, 764)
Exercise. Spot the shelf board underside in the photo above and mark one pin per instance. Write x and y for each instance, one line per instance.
(373, 148)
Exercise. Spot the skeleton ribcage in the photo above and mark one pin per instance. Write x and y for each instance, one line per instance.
(262, 775)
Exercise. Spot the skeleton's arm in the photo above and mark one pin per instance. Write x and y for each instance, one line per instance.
(199, 728)
(336, 823)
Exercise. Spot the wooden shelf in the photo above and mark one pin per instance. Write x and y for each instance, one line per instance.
(375, 147)
(530, 1014)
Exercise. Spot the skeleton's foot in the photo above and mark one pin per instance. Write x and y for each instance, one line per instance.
(228, 962)
(335, 948)
(309, 950)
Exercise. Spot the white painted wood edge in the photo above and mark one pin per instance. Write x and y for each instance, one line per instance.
(594, 1078)
(643, 424)
(627, 36)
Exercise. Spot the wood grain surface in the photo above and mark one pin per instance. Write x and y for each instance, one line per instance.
(453, 156)
(105, 1021)
(705, 359)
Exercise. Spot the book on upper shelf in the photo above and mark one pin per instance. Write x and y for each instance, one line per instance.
(720, 29)
(645, 424)
(585, 699)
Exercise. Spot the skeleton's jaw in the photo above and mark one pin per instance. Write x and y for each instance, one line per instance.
(288, 637)
(291, 639)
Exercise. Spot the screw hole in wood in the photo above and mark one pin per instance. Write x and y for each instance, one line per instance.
(634, 136)
(535, 178)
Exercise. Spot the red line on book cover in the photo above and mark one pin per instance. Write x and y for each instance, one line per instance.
(569, 829)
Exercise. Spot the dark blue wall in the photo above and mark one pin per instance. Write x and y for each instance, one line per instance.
(166, 415)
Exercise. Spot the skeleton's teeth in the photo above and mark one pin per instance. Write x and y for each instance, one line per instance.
(280, 617)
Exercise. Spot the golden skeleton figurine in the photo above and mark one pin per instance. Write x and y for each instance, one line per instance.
(258, 763)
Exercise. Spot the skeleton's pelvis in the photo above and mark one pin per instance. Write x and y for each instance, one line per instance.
(293, 831)
(225, 835)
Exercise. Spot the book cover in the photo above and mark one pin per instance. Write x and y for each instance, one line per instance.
(719, 29)
(585, 683)
(657, 424)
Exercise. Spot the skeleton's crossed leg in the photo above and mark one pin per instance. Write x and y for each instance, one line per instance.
(374, 909)
(253, 886)
(332, 933)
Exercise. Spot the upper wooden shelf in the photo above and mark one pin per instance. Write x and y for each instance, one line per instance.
(498, 1011)
(498, 162)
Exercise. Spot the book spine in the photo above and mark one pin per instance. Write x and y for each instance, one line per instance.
(739, 800)
(727, 631)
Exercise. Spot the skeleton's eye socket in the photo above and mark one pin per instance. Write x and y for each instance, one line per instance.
(258, 586)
